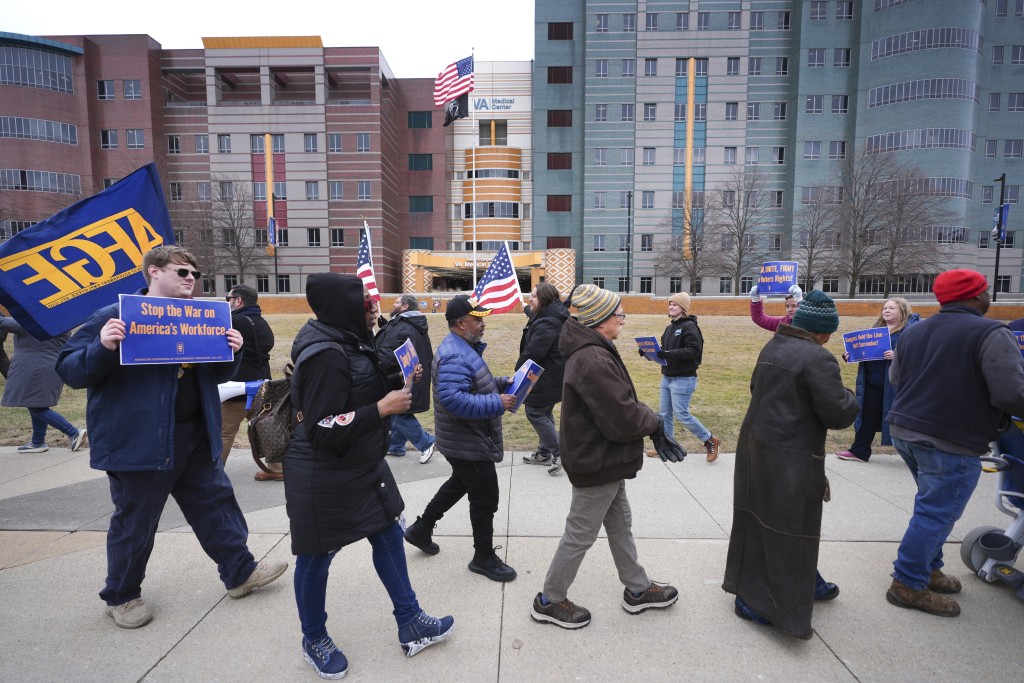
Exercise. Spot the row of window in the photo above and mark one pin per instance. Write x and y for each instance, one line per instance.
(926, 89)
(226, 191)
(257, 143)
(38, 129)
(135, 138)
(1011, 148)
(1014, 101)
(132, 89)
(40, 181)
(923, 138)
(926, 39)
(1016, 54)
(705, 21)
(1001, 8)
(561, 75)
(34, 68)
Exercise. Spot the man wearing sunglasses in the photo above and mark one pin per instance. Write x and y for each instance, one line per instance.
(155, 430)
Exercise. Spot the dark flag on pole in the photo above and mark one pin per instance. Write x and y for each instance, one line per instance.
(456, 109)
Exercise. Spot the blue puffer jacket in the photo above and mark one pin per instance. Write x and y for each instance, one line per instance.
(888, 390)
(467, 408)
(130, 411)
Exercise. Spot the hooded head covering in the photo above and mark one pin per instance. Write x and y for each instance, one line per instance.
(337, 300)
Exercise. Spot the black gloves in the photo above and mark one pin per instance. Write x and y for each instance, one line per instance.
(381, 322)
(667, 448)
(641, 352)
(661, 354)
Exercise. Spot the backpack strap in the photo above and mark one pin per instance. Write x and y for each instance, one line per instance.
(306, 354)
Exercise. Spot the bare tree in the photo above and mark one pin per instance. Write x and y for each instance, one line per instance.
(745, 211)
(691, 254)
(815, 239)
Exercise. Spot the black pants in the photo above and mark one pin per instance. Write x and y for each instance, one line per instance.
(870, 422)
(478, 480)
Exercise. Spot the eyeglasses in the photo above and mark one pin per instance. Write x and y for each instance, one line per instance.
(184, 272)
(620, 316)
(229, 298)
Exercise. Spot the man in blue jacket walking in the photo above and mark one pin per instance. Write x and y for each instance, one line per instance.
(155, 430)
(467, 424)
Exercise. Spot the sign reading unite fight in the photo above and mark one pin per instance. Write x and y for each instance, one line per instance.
(870, 344)
(776, 277)
(165, 330)
(56, 273)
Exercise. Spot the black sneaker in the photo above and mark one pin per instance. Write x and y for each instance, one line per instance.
(657, 595)
(492, 567)
(564, 614)
(420, 536)
(537, 458)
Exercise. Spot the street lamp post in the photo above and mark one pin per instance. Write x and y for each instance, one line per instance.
(629, 241)
(997, 232)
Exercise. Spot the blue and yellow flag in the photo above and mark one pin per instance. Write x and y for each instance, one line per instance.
(56, 273)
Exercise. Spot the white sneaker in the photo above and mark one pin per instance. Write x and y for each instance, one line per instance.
(77, 441)
(425, 458)
(132, 614)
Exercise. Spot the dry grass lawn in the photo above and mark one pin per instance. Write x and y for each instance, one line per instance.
(731, 348)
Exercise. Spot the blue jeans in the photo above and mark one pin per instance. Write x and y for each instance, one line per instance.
(43, 417)
(543, 421)
(404, 428)
(676, 393)
(945, 482)
(311, 573)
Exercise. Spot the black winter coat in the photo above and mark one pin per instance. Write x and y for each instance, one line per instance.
(683, 345)
(408, 325)
(338, 488)
(540, 344)
(257, 342)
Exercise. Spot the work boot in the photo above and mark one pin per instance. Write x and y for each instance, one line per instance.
(419, 535)
(941, 583)
(925, 600)
(711, 445)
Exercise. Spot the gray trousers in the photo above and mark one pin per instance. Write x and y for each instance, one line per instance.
(591, 507)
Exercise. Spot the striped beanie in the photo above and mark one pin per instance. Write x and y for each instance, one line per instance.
(593, 304)
(817, 313)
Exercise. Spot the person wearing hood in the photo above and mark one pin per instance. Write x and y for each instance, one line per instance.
(408, 323)
(796, 396)
(603, 429)
(547, 314)
(338, 486)
(682, 345)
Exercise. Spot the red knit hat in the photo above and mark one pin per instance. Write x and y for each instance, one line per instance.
(958, 285)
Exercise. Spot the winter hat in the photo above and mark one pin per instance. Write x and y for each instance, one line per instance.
(817, 313)
(958, 285)
(681, 299)
(463, 305)
(593, 304)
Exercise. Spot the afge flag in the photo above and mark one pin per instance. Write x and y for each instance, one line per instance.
(56, 273)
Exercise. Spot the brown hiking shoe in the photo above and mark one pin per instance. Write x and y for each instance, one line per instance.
(940, 583)
(712, 448)
(924, 600)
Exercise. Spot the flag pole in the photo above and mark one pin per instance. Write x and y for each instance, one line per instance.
(475, 172)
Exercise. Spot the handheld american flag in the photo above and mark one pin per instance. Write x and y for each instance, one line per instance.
(498, 289)
(364, 264)
(456, 79)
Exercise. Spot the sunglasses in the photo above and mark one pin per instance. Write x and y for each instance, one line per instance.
(369, 305)
(230, 298)
(184, 272)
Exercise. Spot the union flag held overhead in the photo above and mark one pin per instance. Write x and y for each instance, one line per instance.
(455, 80)
(498, 289)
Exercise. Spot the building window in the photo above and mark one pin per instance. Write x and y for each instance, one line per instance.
(699, 156)
(226, 189)
(623, 284)
(559, 243)
(1001, 6)
(626, 156)
(774, 244)
(776, 198)
(202, 144)
(700, 111)
(230, 282)
(700, 68)
(362, 142)
(601, 23)
(650, 111)
(224, 144)
(812, 149)
(732, 110)
(1008, 242)
(647, 241)
(1015, 101)
(362, 189)
(840, 104)
(732, 66)
(814, 104)
(108, 139)
(421, 243)
(256, 144)
(734, 21)
(561, 30)
(421, 162)
(334, 142)
(757, 21)
(993, 101)
(104, 90)
(559, 118)
(990, 148)
(779, 156)
(816, 56)
(599, 282)
(132, 89)
(628, 68)
(623, 242)
(652, 22)
(284, 283)
(334, 190)
(819, 10)
(260, 237)
(626, 112)
(312, 237)
(175, 193)
(650, 67)
(682, 21)
(703, 21)
(675, 284)
(203, 191)
(837, 149)
(600, 156)
(646, 284)
(725, 285)
(600, 200)
(559, 161)
(598, 242)
(830, 284)
(312, 190)
(174, 144)
(559, 203)
(559, 75)
(629, 23)
(753, 66)
(783, 21)
(730, 156)
(782, 66)
(282, 237)
(262, 284)
(753, 111)
(1017, 54)
(841, 56)
(421, 204)
(649, 156)
(680, 111)
(750, 158)
(1003, 283)
(1012, 149)
(416, 119)
(844, 10)
(135, 138)
(601, 68)
(779, 111)
(647, 199)
(601, 112)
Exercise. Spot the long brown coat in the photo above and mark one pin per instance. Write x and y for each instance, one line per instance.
(796, 396)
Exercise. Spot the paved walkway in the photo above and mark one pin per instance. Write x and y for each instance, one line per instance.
(54, 513)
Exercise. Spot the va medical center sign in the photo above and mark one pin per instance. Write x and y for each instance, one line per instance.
(492, 104)
(56, 273)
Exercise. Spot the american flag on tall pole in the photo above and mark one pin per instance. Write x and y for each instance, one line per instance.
(364, 264)
(455, 80)
(498, 289)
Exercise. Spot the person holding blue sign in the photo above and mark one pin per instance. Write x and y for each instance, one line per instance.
(772, 322)
(874, 391)
(155, 429)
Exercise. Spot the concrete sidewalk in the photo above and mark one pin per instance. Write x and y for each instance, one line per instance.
(54, 513)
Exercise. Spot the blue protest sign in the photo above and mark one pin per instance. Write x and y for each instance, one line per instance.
(1020, 341)
(650, 347)
(56, 273)
(407, 359)
(522, 382)
(870, 344)
(165, 330)
(776, 277)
